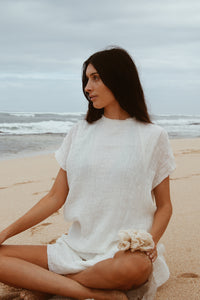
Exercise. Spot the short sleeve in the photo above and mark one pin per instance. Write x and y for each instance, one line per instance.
(163, 159)
(62, 153)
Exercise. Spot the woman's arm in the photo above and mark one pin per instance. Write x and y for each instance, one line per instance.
(162, 214)
(164, 209)
(42, 210)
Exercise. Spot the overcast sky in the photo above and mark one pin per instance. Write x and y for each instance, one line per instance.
(43, 44)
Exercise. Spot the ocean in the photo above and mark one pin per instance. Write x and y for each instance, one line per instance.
(34, 133)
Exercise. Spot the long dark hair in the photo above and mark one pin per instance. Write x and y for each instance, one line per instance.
(119, 73)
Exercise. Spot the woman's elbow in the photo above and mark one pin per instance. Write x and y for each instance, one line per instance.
(165, 209)
(168, 209)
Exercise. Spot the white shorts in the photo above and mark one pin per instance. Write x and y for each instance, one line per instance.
(62, 259)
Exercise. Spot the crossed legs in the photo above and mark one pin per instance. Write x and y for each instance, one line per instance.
(125, 271)
(26, 267)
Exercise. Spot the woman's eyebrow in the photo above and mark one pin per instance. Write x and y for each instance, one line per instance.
(94, 73)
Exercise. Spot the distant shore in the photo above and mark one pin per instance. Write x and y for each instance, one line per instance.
(23, 181)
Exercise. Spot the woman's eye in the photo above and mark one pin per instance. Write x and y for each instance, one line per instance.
(95, 77)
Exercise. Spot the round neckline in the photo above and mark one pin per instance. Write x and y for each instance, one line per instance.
(118, 120)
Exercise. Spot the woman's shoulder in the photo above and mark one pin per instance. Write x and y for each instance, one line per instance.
(85, 125)
(78, 125)
(151, 129)
(79, 128)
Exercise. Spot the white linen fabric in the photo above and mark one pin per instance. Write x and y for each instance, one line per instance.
(112, 167)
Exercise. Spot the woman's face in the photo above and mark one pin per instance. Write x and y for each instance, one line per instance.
(99, 94)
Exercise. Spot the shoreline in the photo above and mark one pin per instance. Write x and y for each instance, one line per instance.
(28, 145)
(55, 144)
(24, 181)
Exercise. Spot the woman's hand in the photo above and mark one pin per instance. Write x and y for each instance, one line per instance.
(152, 254)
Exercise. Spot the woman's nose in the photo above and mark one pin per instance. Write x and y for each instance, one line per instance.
(88, 87)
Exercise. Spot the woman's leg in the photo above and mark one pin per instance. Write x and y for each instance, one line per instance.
(125, 271)
(36, 254)
(33, 254)
(26, 267)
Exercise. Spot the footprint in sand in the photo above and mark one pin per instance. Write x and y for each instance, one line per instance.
(39, 227)
(3, 187)
(185, 177)
(189, 275)
(17, 183)
(37, 193)
(53, 241)
(24, 182)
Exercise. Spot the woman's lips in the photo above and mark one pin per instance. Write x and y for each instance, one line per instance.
(92, 97)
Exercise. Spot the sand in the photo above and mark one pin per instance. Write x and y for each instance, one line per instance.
(24, 181)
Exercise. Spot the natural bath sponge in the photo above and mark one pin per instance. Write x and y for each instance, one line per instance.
(134, 240)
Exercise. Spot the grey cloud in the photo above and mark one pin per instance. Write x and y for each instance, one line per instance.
(39, 76)
(41, 39)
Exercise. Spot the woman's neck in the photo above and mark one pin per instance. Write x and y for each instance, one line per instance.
(120, 115)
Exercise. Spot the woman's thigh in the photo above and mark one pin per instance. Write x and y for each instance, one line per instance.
(36, 254)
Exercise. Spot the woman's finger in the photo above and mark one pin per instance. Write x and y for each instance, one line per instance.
(152, 254)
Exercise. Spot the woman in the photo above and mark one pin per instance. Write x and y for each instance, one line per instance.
(114, 175)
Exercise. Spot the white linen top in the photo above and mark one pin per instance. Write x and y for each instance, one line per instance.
(112, 167)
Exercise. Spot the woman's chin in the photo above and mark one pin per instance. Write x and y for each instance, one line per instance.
(97, 106)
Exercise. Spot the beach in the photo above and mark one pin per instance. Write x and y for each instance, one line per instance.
(23, 181)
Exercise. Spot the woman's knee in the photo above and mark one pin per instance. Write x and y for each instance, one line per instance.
(133, 269)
